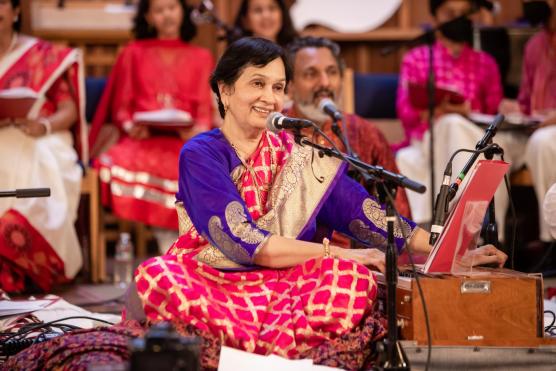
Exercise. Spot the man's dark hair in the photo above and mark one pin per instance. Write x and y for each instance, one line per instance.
(435, 4)
(143, 30)
(247, 51)
(315, 42)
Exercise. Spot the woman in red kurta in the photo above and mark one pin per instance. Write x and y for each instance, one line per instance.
(159, 70)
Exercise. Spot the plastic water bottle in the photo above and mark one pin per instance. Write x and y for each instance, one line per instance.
(123, 262)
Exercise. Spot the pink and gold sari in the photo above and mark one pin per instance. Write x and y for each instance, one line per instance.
(289, 312)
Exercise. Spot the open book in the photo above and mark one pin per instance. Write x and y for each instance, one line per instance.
(515, 121)
(16, 102)
(168, 118)
(419, 95)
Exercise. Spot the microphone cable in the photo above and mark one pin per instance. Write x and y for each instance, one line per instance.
(13, 343)
(406, 246)
(508, 190)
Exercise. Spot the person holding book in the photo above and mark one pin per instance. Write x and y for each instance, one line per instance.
(269, 19)
(158, 78)
(537, 97)
(471, 81)
(42, 139)
(253, 267)
(318, 72)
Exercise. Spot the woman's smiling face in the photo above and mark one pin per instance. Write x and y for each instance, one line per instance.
(256, 93)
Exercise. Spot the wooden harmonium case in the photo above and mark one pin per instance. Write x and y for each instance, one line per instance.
(488, 307)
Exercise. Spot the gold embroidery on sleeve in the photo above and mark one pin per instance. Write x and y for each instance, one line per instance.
(239, 226)
(233, 250)
(363, 233)
(210, 255)
(184, 221)
(377, 216)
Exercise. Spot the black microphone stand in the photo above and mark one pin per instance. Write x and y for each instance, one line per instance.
(367, 179)
(394, 357)
(205, 11)
(448, 192)
(491, 236)
(428, 38)
(26, 193)
(491, 233)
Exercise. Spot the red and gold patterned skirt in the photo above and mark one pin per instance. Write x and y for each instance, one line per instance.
(286, 312)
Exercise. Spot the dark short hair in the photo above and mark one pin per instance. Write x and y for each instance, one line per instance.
(247, 51)
(17, 24)
(287, 32)
(435, 4)
(315, 42)
(142, 29)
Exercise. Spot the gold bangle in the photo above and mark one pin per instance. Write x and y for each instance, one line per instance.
(47, 125)
(326, 245)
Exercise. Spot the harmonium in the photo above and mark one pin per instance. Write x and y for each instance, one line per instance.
(485, 307)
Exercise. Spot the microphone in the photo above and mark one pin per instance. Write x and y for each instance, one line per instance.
(327, 106)
(202, 13)
(276, 122)
(490, 132)
(441, 205)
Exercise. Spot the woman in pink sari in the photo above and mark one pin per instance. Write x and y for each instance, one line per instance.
(253, 266)
(158, 71)
(38, 242)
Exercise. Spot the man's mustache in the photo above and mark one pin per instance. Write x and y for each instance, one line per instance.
(323, 92)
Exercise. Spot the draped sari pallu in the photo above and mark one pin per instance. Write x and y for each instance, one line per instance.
(220, 290)
(34, 240)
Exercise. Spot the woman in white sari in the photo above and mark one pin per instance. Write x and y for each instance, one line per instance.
(38, 242)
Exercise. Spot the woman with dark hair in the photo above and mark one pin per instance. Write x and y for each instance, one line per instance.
(269, 19)
(160, 72)
(38, 242)
(251, 266)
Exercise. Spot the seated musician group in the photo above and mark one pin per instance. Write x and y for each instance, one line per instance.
(259, 256)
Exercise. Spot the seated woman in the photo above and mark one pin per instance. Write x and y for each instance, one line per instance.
(537, 97)
(249, 267)
(160, 70)
(38, 242)
(269, 19)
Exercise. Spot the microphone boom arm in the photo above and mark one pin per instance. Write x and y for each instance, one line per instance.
(377, 172)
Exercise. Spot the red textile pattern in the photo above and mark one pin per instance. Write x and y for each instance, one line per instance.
(25, 253)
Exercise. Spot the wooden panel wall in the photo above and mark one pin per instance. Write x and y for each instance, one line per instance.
(362, 51)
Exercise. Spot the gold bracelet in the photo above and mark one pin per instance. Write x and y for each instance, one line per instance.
(326, 245)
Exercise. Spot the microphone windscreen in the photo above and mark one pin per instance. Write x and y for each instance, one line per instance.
(326, 102)
(271, 121)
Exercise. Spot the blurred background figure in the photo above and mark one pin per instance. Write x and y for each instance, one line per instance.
(537, 97)
(475, 76)
(38, 242)
(549, 210)
(160, 70)
(269, 19)
(318, 72)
